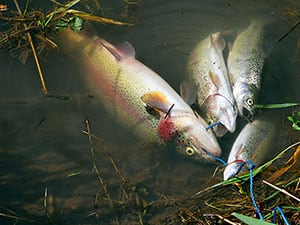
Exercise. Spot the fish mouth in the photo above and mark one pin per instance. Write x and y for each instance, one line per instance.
(246, 112)
(220, 130)
(228, 118)
(231, 170)
(212, 153)
(226, 112)
(208, 150)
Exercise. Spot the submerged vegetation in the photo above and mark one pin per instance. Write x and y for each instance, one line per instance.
(30, 29)
(295, 119)
(27, 30)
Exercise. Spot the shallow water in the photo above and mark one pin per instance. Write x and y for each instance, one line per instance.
(43, 146)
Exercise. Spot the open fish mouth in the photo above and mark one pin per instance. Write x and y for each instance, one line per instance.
(228, 119)
(224, 112)
(247, 113)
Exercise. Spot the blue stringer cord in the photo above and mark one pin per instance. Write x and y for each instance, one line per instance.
(251, 167)
(282, 215)
(216, 158)
(213, 125)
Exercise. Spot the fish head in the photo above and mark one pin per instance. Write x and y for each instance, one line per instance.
(237, 157)
(231, 170)
(193, 140)
(220, 110)
(182, 127)
(245, 96)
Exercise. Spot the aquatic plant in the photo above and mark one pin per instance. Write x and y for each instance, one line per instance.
(31, 28)
(295, 119)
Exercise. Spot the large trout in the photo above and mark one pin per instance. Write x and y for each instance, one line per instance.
(208, 84)
(138, 97)
(245, 63)
(253, 143)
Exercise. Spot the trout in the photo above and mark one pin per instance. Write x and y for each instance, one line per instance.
(139, 98)
(208, 84)
(253, 143)
(245, 63)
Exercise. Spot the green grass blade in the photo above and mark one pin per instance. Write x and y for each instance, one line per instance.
(245, 177)
(249, 220)
(276, 106)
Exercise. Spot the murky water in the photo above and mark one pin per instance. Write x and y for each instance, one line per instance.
(42, 141)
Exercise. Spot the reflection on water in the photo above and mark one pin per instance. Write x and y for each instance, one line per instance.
(43, 146)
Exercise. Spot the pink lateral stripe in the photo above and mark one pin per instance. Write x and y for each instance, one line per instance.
(109, 90)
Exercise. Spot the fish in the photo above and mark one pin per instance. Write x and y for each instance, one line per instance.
(245, 62)
(208, 84)
(137, 97)
(253, 143)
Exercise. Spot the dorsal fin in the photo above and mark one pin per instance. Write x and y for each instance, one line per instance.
(217, 41)
(127, 49)
(112, 49)
(188, 91)
(124, 49)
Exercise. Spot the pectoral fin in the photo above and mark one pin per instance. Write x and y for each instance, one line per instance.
(230, 45)
(157, 100)
(127, 49)
(188, 91)
(215, 79)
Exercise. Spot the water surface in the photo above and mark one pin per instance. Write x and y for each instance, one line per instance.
(43, 146)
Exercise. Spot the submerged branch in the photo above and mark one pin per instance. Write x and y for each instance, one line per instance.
(100, 179)
(29, 38)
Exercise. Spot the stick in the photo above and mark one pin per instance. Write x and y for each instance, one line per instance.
(33, 51)
(289, 31)
(281, 190)
(124, 181)
(101, 181)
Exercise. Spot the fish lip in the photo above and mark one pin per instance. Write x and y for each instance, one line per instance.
(212, 154)
(230, 170)
(226, 174)
(202, 140)
(227, 112)
(246, 112)
(228, 119)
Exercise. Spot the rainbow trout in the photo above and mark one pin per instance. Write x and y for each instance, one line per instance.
(245, 63)
(253, 143)
(138, 97)
(208, 84)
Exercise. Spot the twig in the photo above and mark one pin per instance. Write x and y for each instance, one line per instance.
(33, 51)
(15, 217)
(297, 186)
(109, 156)
(281, 190)
(289, 31)
(101, 181)
(111, 160)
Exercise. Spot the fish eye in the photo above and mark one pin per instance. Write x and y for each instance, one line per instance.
(250, 101)
(189, 151)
